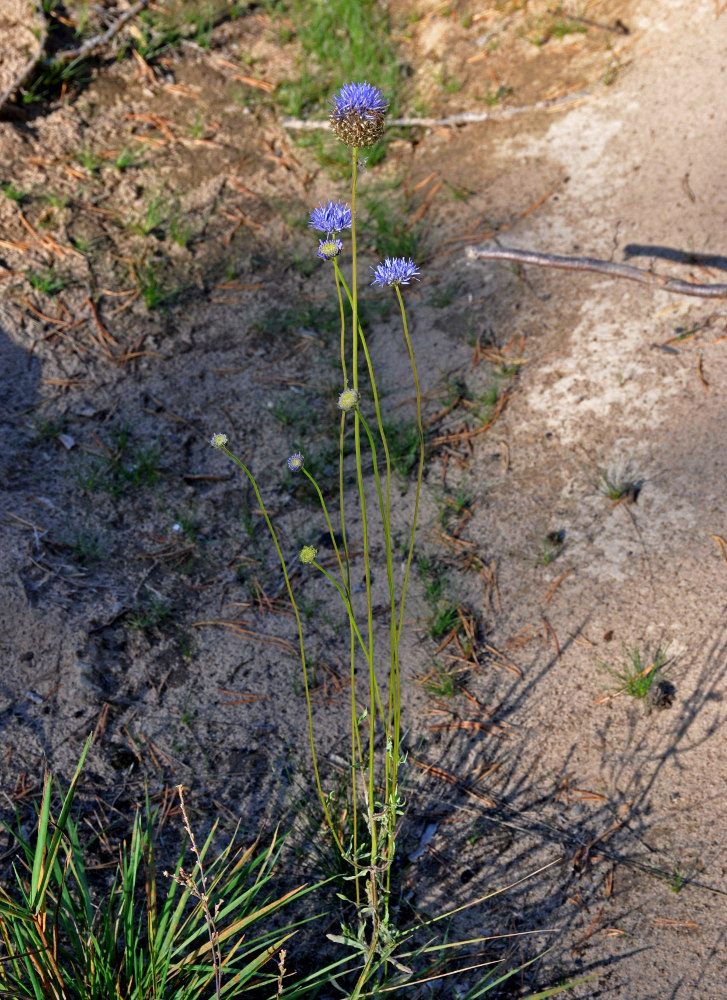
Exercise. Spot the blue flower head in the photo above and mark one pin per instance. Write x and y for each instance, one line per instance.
(328, 249)
(331, 218)
(395, 271)
(357, 114)
(296, 462)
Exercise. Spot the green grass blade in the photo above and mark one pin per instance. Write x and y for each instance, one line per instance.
(42, 872)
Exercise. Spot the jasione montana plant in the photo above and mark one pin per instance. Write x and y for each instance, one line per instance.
(357, 118)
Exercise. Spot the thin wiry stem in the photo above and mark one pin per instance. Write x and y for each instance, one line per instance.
(393, 705)
(362, 497)
(317, 488)
(289, 588)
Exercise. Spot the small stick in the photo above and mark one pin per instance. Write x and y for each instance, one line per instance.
(465, 118)
(554, 586)
(98, 41)
(490, 251)
(20, 79)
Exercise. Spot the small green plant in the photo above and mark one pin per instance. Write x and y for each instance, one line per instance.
(444, 619)
(89, 159)
(636, 678)
(441, 681)
(142, 467)
(52, 76)
(494, 97)
(441, 298)
(152, 612)
(123, 464)
(677, 878)
(55, 198)
(562, 25)
(449, 82)
(619, 482)
(48, 428)
(49, 282)
(128, 157)
(552, 544)
(154, 214)
(86, 546)
(387, 225)
(158, 34)
(13, 193)
(181, 229)
(403, 439)
(152, 287)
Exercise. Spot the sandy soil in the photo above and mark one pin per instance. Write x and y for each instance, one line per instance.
(137, 592)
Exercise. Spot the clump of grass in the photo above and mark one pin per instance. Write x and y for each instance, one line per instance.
(388, 227)
(124, 463)
(49, 282)
(552, 544)
(403, 440)
(619, 482)
(152, 286)
(86, 546)
(443, 613)
(51, 77)
(677, 878)
(89, 159)
(128, 157)
(13, 193)
(635, 678)
(338, 40)
(138, 936)
(48, 428)
(152, 612)
(441, 681)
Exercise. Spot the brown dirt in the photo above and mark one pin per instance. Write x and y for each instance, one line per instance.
(111, 577)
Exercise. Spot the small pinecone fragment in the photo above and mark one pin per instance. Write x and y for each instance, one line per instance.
(354, 129)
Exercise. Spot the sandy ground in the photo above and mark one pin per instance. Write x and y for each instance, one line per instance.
(627, 799)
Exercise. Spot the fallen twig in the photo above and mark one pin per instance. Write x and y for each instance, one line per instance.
(20, 79)
(98, 41)
(491, 251)
(464, 118)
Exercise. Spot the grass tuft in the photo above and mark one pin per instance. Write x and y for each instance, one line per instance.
(138, 935)
(634, 678)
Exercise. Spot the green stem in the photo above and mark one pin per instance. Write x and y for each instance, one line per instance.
(394, 702)
(347, 603)
(343, 325)
(421, 460)
(317, 488)
(289, 588)
(362, 497)
(420, 471)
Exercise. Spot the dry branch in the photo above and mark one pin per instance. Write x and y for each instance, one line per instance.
(465, 118)
(492, 251)
(98, 41)
(68, 55)
(29, 66)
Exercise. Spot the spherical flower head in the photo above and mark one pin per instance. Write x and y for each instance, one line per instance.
(308, 554)
(357, 114)
(395, 271)
(218, 440)
(348, 400)
(328, 249)
(295, 462)
(331, 218)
